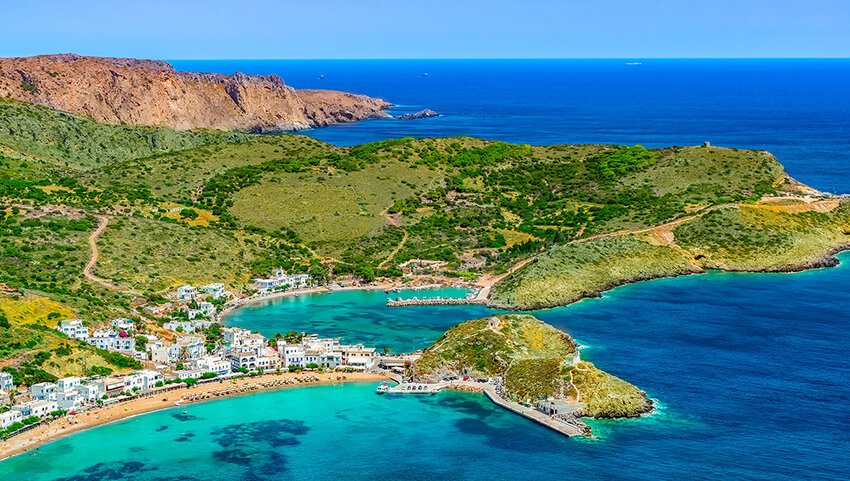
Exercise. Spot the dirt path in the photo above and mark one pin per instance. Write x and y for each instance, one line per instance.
(94, 254)
(393, 221)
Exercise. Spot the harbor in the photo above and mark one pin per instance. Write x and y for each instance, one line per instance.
(561, 417)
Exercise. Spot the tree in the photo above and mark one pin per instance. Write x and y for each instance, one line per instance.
(386, 350)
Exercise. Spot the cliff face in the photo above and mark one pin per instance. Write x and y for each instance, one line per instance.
(151, 92)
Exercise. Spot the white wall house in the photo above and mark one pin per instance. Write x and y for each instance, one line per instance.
(36, 408)
(67, 383)
(215, 290)
(43, 391)
(187, 327)
(89, 392)
(9, 418)
(187, 292)
(74, 329)
(212, 364)
(122, 324)
(110, 340)
(292, 355)
(68, 400)
(6, 383)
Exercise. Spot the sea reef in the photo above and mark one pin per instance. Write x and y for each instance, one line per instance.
(535, 360)
(153, 93)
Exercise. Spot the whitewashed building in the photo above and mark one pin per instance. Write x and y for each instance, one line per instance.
(43, 391)
(215, 290)
(122, 324)
(74, 329)
(10, 417)
(187, 292)
(36, 408)
(213, 364)
(6, 381)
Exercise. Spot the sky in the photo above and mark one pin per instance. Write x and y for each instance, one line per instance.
(243, 29)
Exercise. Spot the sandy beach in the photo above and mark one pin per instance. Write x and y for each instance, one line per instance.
(96, 417)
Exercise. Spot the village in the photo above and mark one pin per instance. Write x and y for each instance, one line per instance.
(186, 345)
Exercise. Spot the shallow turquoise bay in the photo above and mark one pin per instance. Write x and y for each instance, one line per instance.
(750, 372)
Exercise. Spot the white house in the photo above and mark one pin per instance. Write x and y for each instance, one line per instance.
(67, 383)
(212, 364)
(110, 340)
(150, 378)
(89, 392)
(159, 353)
(186, 348)
(6, 381)
(207, 309)
(216, 289)
(187, 292)
(189, 373)
(292, 355)
(358, 356)
(36, 408)
(122, 324)
(9, 418)
(43, 391)
(68, 400)
(74, 329)
(186, 326)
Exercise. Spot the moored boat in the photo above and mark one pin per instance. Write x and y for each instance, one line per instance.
(383, 388)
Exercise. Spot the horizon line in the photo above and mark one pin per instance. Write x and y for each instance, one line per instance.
(444, 58)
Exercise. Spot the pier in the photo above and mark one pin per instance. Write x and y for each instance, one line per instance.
(435, 301)
(566, 424)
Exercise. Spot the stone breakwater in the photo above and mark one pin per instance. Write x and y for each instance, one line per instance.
(435, 301)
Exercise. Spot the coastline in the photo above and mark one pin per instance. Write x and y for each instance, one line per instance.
(95, 417)
(829, 260)
(229, 308)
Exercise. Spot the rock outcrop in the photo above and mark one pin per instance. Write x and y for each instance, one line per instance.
(422, 114)
(153, 93)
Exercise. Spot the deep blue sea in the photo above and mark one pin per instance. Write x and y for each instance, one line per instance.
(797, 109)
(750, 371)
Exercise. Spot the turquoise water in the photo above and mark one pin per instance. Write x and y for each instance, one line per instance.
(749, 370)
(358, 316)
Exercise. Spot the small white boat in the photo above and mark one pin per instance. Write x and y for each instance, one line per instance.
(383, 388)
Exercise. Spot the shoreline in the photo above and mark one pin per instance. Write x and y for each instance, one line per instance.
(96, 417)
(830, 260)
(229, 309)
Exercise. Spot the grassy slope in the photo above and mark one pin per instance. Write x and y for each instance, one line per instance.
(147, 255)
(531, 356)
(750, 238)
(737, 238)
(66, 140)
(567, 274)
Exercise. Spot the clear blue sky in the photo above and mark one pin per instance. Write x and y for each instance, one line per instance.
(201, 29)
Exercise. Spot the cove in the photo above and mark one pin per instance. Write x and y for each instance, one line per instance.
(750, 371)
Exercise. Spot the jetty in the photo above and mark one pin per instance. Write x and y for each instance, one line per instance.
(567, 424)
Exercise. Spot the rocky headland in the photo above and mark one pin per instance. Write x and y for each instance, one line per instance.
(153, 93)
(535, 360)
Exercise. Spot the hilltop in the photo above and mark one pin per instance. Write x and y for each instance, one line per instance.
(536, 361)
(153, 93)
